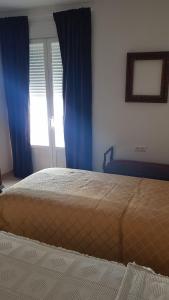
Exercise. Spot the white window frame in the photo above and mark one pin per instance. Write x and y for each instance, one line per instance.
(49, 93)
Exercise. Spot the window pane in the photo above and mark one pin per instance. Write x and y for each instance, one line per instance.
(38, 102)
(57, 75)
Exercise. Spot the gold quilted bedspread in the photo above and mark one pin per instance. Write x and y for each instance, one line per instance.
(115, 217)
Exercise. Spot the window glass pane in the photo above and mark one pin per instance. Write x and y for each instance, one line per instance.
(57, 75)
(38, 103)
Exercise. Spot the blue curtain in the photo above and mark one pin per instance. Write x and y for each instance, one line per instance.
(14, 47)
(74, 33)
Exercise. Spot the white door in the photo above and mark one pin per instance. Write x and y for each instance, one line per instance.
(46, 104)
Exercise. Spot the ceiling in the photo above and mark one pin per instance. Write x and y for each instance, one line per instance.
(6, 5)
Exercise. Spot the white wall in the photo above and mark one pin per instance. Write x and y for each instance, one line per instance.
(120, 26)
(5, 148)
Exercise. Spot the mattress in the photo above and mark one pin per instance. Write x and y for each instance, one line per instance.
(30, 270)
(108, 216)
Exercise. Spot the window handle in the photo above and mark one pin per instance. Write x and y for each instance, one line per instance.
(52, 122)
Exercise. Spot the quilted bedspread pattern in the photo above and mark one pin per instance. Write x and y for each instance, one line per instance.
(108, 216)
(32, 271)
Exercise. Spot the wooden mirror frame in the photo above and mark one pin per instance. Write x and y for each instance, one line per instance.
(131, 58)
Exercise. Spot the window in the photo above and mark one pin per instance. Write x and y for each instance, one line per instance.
(38, 102)
(46, 101)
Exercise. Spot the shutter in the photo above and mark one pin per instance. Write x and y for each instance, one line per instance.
(57, 69)
(37, 70)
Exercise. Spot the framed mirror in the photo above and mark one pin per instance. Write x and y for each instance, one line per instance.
(147, 77)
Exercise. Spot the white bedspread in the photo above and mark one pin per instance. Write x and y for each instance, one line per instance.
(140, 283)
(30, 270)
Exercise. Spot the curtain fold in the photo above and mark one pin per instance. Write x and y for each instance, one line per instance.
(74, 33)
(14, 47)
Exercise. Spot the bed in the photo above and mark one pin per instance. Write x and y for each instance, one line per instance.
(30, 270)
(108, 216)
(134, 168)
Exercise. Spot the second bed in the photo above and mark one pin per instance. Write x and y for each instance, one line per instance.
(114, 217)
